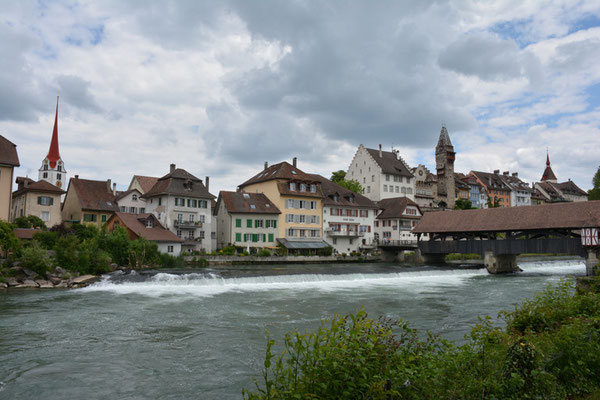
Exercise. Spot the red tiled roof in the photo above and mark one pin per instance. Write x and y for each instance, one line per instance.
(394, 208)
(94, 195)
(552, 216)
(389, 163)
(330, 189)
(283, 170)
(146, 182)
(238, 202)
(39, 186)
(25, 233)
(491, 181)
(137, 224)
(8, 152)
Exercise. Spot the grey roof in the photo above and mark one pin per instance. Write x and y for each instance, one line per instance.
(389, 163)
(444, 139)
(330, 189)
(302, 244)
(8, 152)
(179, 182)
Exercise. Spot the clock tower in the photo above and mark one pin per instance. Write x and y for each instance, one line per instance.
(53, 169)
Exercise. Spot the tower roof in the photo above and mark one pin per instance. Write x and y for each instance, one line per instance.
(548, 174)
(53, 153)
(444, 139)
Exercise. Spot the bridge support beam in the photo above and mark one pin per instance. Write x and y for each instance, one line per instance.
(591, 262)
(429, 258)
(500, 263)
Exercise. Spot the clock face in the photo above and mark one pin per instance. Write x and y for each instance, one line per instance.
(421, 173)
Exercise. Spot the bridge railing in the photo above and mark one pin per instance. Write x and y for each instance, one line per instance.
(397, 243)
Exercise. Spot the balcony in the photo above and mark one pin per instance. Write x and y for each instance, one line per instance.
(343, 232)
(187, 224)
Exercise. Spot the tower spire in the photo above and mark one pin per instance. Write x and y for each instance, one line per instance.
(53, 153)
(547, 158)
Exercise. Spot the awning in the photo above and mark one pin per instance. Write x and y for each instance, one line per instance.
(303, 244)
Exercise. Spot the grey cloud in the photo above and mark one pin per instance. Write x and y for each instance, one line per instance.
(482, 55)
(76, 92)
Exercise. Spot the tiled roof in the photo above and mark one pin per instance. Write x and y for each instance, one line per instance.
(331, 189)
(8, 152)
(491, 181)
(121, 195)
(515, 183)
(284, 189)
(146, 182)
(459, 182)
(569, 187)
(283, 170)
(39, 186)
(553, 194)
(94, 195)
(239, 202)
(179, 182)
(394, 208)
(552, 216)
(25, 233)
(389, 163)
(548, 174)
(137, 224)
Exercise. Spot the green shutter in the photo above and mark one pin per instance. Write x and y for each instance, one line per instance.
(238, 237)
(274, 223)
(103, 218)
(255, 237)
(270, 237)
(238, 223)
(248, 223)
(245, 238)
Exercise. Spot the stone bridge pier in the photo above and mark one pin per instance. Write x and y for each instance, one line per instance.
(500, 263)
(591, 262)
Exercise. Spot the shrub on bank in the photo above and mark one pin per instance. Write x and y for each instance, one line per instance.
(549, 349)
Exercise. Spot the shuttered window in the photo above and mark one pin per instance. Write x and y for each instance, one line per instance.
(248, 223)
(238, 222)
(238, 237)
(270, 237)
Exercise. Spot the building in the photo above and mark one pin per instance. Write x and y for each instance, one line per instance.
(425, 187)
(495, 187)
(537, 198)
(142, 183)
(148, 227)
(40, 198)
(181, 202)
(246, 220)
(396, 219)
(477, 193)
(520, 192)
(382, 174)
(53, 169)
(89, 202)
(131, 201)
(8, 161)
(555, 192)
(461, 188)
(444, 164)
(299, 197)
(348, 218)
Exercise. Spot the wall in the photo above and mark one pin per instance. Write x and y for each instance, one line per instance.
(128, 202)
(342, 243)
(6, 179)
(31, 207)
(366, 171)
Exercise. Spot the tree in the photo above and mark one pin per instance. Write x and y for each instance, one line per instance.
(30, 221)
(353, 185)
(462, 204)
(494, 204)
(594, 194)
(338, 176)
(8, 240)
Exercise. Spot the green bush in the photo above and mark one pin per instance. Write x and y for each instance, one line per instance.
(169, 261)
(8, 240)
(47, 239)
(228, 251)
(29, 221)
(117, 244)
(264, 253)
(142, 252)
(34, 257)
(67, 252)
(325, 252)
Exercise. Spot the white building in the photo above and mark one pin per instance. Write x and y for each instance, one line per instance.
(182, 204)
(348, 218)
(382, 174)
(131, 202)
(396, 219)
(520, 194)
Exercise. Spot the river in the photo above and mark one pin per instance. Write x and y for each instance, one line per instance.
(201, 334)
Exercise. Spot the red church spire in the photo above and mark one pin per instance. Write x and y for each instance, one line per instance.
(53, 154)
(547, 158)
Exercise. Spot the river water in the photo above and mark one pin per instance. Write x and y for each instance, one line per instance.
(201, 334)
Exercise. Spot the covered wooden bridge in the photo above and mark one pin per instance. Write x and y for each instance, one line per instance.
(500, 234)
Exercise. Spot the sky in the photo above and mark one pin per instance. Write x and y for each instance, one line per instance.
(220, 87)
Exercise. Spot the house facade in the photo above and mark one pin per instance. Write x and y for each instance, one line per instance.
(299, 198)
(425, 187)
(89, 202)
(181, 202)
(41, 199)
(246, 220)
(148, 227)
(477, 193)
(396, 219)
(348, 218)
(495, 187)
(382, 174)
(8, 161)
(131, 201)
(520, 194)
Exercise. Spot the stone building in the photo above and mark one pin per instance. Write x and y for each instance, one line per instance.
(40, 198)
(444, 163)
(8, 161)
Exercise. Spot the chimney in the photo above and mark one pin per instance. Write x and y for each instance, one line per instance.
(76, 176)
(172, 168)
(505, 173)
(515, 174)
(114, 189)
(294, 161)
(496, 171)
(108, 184)
(207, 182)
(266, 165)
(380, 153)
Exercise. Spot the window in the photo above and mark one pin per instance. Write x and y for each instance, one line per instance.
(238, 237)
(160, 201)
(178, 232)
(302, 232)
(372, 178)
(293, 186)
(302, 204)
(134, 197)
(289, 203)
(202, 204)
(45, 216)
(271, 237)
(179, 217)
(395, 178)
(387, 178)
(258, 223)
(123, 209)
(397, 189)
(368, 189)
(238, 223)
(303, 187)
(385, 188)
(90, 217)
(45, 200)
(169, 249)
(191, 217)
(149, 223)
(58, 176)
(45, 175)
(191, 234)
(179, 201)
(291, 232)
(302, 219)
(289, 217)
(247, 237)
(313, 188)
(201, 235)
(248, 223)
(142, 210)
(132, 210)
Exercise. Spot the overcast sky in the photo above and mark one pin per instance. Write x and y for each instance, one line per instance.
(220, 87)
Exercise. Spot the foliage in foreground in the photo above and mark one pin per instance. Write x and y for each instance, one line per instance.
(550, 349)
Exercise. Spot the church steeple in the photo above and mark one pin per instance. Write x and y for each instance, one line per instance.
(548, 175)
(53, 170)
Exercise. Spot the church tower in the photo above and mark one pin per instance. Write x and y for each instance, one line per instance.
(444, 162)
(548, 175)
(53, 169)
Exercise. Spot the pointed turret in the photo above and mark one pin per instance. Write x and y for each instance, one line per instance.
(548, 175)
(444, 162)
(53, 153)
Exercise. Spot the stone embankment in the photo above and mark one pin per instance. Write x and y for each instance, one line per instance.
(28, 279)
(251, 260)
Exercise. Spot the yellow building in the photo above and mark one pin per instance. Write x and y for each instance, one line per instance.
(299, 198)
(8, 161)
(41, 199)
(89, 202)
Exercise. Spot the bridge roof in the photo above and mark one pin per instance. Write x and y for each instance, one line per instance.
(551, 216)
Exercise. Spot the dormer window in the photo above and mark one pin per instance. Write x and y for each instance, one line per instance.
(351, 199)
(149, 223)
(336, 197)
(187, 185)
(313, 188)
(293, 186)
(134, 197)
(303, 187)
(293, 172)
